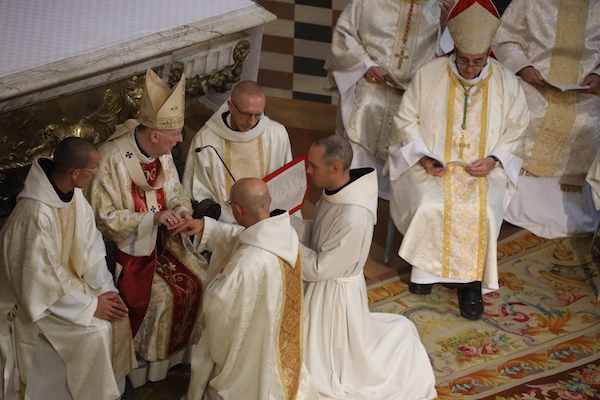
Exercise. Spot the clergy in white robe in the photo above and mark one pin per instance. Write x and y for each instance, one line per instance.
(57, 295)
(350, 352)
(136, 194)
(250, 144)
(372, 37)
(468, 109)
(558, 41)
(252, 345)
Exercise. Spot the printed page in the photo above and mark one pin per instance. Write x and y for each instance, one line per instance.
(288, 186)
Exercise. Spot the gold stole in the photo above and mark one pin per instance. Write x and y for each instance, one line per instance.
(66, 217)
(551, 143)
(465, 197)
(289, 340)
(242, 157)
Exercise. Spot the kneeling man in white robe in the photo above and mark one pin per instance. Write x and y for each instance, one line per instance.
(349, 352)
(65, 331)
(251, 347)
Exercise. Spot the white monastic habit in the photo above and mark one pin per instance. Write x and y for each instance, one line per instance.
(252, 345)
(125, 214)
(450, 224)
(350, 352)
(399, 36)
(52, 270)
(252, 154)
(561, 39)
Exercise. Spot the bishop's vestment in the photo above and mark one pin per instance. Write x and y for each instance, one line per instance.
(399, 36)
(159, 279)
(561, 39)
(450, 224)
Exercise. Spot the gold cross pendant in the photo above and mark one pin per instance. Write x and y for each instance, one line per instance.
(461, 146)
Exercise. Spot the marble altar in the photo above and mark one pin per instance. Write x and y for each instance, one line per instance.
(71, 67)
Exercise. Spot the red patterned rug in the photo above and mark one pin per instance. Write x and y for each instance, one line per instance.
(538, 338)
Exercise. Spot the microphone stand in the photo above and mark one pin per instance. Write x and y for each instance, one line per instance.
(199, 149)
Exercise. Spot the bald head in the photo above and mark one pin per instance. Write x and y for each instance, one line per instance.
(246, 88)
(250, 201)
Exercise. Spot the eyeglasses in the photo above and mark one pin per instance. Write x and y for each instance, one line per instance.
(467, 65)
(174, 135)
(248, 115)
(93, 171)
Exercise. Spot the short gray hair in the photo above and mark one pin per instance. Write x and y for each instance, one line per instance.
(337, 149)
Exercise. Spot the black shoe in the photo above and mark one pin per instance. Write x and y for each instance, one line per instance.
(470, 302)
(419, 288)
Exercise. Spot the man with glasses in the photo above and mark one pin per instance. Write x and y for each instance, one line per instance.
(251, 145)
(558, 42)
(69, 326)
(455, 160)
(136, 195)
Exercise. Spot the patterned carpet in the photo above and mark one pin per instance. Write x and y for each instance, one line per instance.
(538, 339)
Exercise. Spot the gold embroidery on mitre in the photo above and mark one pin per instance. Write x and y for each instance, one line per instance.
(464, 239)
(160, 106)
(551, 144)
(289, 337)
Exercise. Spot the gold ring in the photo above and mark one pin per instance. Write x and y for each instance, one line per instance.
(168, 219)
(373, 79)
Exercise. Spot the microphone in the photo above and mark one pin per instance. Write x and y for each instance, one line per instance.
(199, 149)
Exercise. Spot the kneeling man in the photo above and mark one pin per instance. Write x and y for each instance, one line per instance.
(251, 347)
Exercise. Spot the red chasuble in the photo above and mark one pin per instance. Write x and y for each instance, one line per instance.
(135, 281)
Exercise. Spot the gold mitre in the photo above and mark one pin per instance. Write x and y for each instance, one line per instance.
(473, 24)
(160, 106)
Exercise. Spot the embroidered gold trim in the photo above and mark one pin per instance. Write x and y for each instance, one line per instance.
(454, 192)
(551, 141)
(261, 157)
(289, 338)
(482, 237)
(122, 348)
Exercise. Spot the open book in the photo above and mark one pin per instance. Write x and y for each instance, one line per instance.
(288, 185)
(564, 88)
(442, 163)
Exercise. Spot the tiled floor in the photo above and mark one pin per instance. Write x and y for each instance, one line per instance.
(295, 48)
(296, 45)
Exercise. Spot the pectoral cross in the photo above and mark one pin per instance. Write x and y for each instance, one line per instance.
(403, 56)
(461, 146)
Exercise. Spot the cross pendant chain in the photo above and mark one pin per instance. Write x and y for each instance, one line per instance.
(465, 105)
(403, 56)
